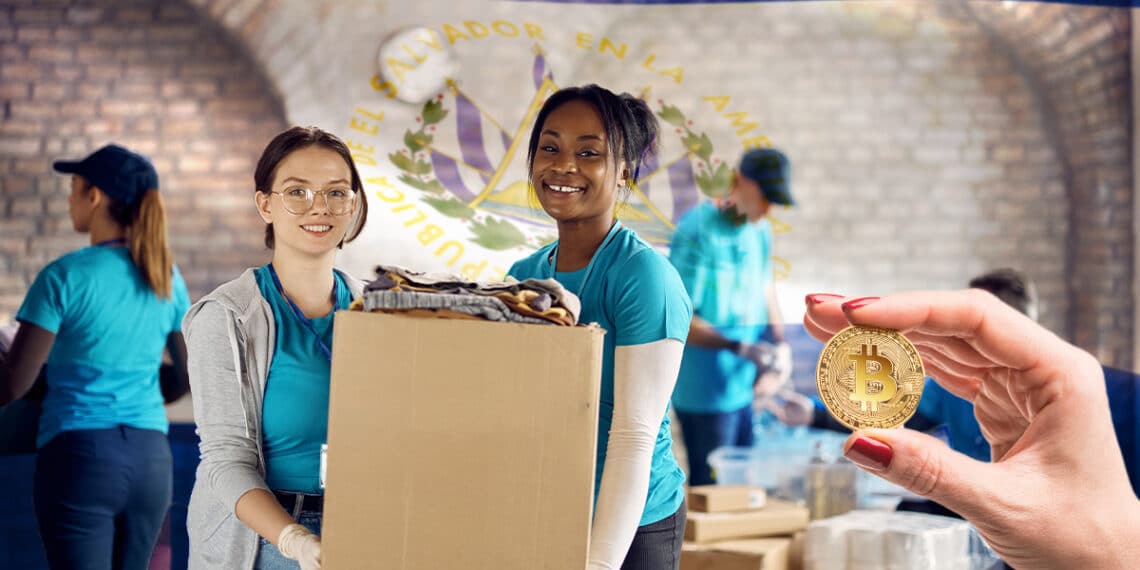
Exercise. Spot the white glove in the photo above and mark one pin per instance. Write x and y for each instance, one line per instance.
(766, 385)
(791, 408)
(759, 353)
(296, 543)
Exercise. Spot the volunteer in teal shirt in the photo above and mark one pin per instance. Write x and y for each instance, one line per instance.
(586, 151)
(727, 269)
(633, 293)
(98, 320)
(110, 330)
(295, 416)
(724, 256)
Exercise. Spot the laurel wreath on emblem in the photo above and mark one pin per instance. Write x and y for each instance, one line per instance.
(713, 176)
(489, 232)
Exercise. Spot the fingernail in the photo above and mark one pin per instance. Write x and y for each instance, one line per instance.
(870, 454)
(817, 298)
(860, 302)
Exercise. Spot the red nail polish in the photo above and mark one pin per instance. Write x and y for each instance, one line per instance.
(860, 302)
(870, 454)
(817, 298)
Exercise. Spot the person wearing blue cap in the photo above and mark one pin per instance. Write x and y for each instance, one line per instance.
(723, 253)
(100, 318)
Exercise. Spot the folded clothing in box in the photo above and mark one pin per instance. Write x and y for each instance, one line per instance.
(535, 301)
(775, 519)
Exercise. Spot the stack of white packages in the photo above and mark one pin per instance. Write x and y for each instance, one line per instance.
(878, 540)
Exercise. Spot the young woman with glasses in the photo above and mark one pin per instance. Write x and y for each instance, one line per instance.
(259, 358)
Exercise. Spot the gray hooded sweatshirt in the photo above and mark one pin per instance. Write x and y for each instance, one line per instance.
(230, 335)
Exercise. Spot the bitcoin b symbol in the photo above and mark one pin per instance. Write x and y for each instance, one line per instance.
(862, 375)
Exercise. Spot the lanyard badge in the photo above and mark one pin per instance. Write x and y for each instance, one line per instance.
(306, 321)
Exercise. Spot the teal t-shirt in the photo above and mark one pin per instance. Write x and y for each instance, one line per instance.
(632, 292)
(727, 270)
(295, 412)
(110, 332)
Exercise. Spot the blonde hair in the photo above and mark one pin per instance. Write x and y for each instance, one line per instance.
(149, 247)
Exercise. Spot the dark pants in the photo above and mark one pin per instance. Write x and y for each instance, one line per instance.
(101, 497)
(657, 546)
(703, 433)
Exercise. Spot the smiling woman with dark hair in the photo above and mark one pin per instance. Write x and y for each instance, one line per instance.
(586, 149)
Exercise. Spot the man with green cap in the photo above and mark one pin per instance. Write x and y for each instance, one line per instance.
(724, 256)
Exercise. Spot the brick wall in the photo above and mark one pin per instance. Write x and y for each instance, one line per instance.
(932, 140)
(1079, 59)
(155, 76)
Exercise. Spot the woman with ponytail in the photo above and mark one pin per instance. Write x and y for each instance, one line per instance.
(100, 318)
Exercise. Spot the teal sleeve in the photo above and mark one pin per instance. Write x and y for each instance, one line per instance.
(515, 272)
(44, 304)
(648, 302)
(686, 256)
(180, 295)
(766, 247)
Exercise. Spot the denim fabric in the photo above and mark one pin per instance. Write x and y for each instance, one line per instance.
(101, 497)
(269, 558)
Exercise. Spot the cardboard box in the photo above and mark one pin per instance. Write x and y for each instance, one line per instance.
(775, 519)
(460, 444)
(751, 554)
(796, 551)
(725, 498)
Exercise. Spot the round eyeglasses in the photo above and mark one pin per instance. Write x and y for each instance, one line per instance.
(300, 200)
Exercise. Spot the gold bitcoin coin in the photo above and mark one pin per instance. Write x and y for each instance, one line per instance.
(870, 378)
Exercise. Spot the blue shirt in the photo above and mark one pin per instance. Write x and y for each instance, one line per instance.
(727, 270)
(1124, 404)
(295, 414)
(631, 291)
(941, 407)
(110, 331)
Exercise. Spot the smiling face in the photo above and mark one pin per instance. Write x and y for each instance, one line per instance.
(316, 231)
(574, 173)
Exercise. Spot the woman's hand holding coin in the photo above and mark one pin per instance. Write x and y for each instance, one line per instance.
(1056, 494)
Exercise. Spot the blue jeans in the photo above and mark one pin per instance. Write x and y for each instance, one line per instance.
(269, 558)
(101, 496)
(703, 433)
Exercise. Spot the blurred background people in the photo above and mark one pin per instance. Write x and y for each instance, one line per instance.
(100, 318)
(736, 349)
